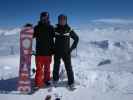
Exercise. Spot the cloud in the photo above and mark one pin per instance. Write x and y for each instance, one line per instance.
(114, 21)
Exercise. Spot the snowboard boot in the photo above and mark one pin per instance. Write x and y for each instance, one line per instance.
(48, 83)
(71, 87)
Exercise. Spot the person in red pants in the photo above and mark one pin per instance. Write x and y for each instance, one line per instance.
(43, 32)
(43, 70)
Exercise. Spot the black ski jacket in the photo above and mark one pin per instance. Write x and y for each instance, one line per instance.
(44, 34)
(62, 40)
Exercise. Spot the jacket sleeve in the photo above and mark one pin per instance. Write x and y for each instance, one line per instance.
(53, 32)
(75, 37)
(52, 40)
(35, 32)
(53, 35)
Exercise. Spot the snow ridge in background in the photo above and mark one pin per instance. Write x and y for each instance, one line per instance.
(114, 21)
(9, 31)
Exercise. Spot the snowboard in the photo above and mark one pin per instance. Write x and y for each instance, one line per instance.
(24, 81)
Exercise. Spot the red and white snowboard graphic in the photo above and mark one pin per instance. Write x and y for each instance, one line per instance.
(24, 82)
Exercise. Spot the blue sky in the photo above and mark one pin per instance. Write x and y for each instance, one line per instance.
(15, 13)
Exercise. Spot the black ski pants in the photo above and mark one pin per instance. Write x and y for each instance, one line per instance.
(68, 66)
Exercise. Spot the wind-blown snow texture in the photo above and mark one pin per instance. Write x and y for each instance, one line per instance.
(102, 67)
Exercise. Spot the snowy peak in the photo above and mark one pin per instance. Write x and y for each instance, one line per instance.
(9, 31)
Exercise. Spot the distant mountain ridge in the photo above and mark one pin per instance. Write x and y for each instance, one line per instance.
(9, 31)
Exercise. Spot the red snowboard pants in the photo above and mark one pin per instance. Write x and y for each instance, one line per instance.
(42, 70)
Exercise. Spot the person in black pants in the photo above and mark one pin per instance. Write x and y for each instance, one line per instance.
(63, 33)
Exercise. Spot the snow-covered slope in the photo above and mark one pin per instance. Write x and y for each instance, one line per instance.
(103, 65)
